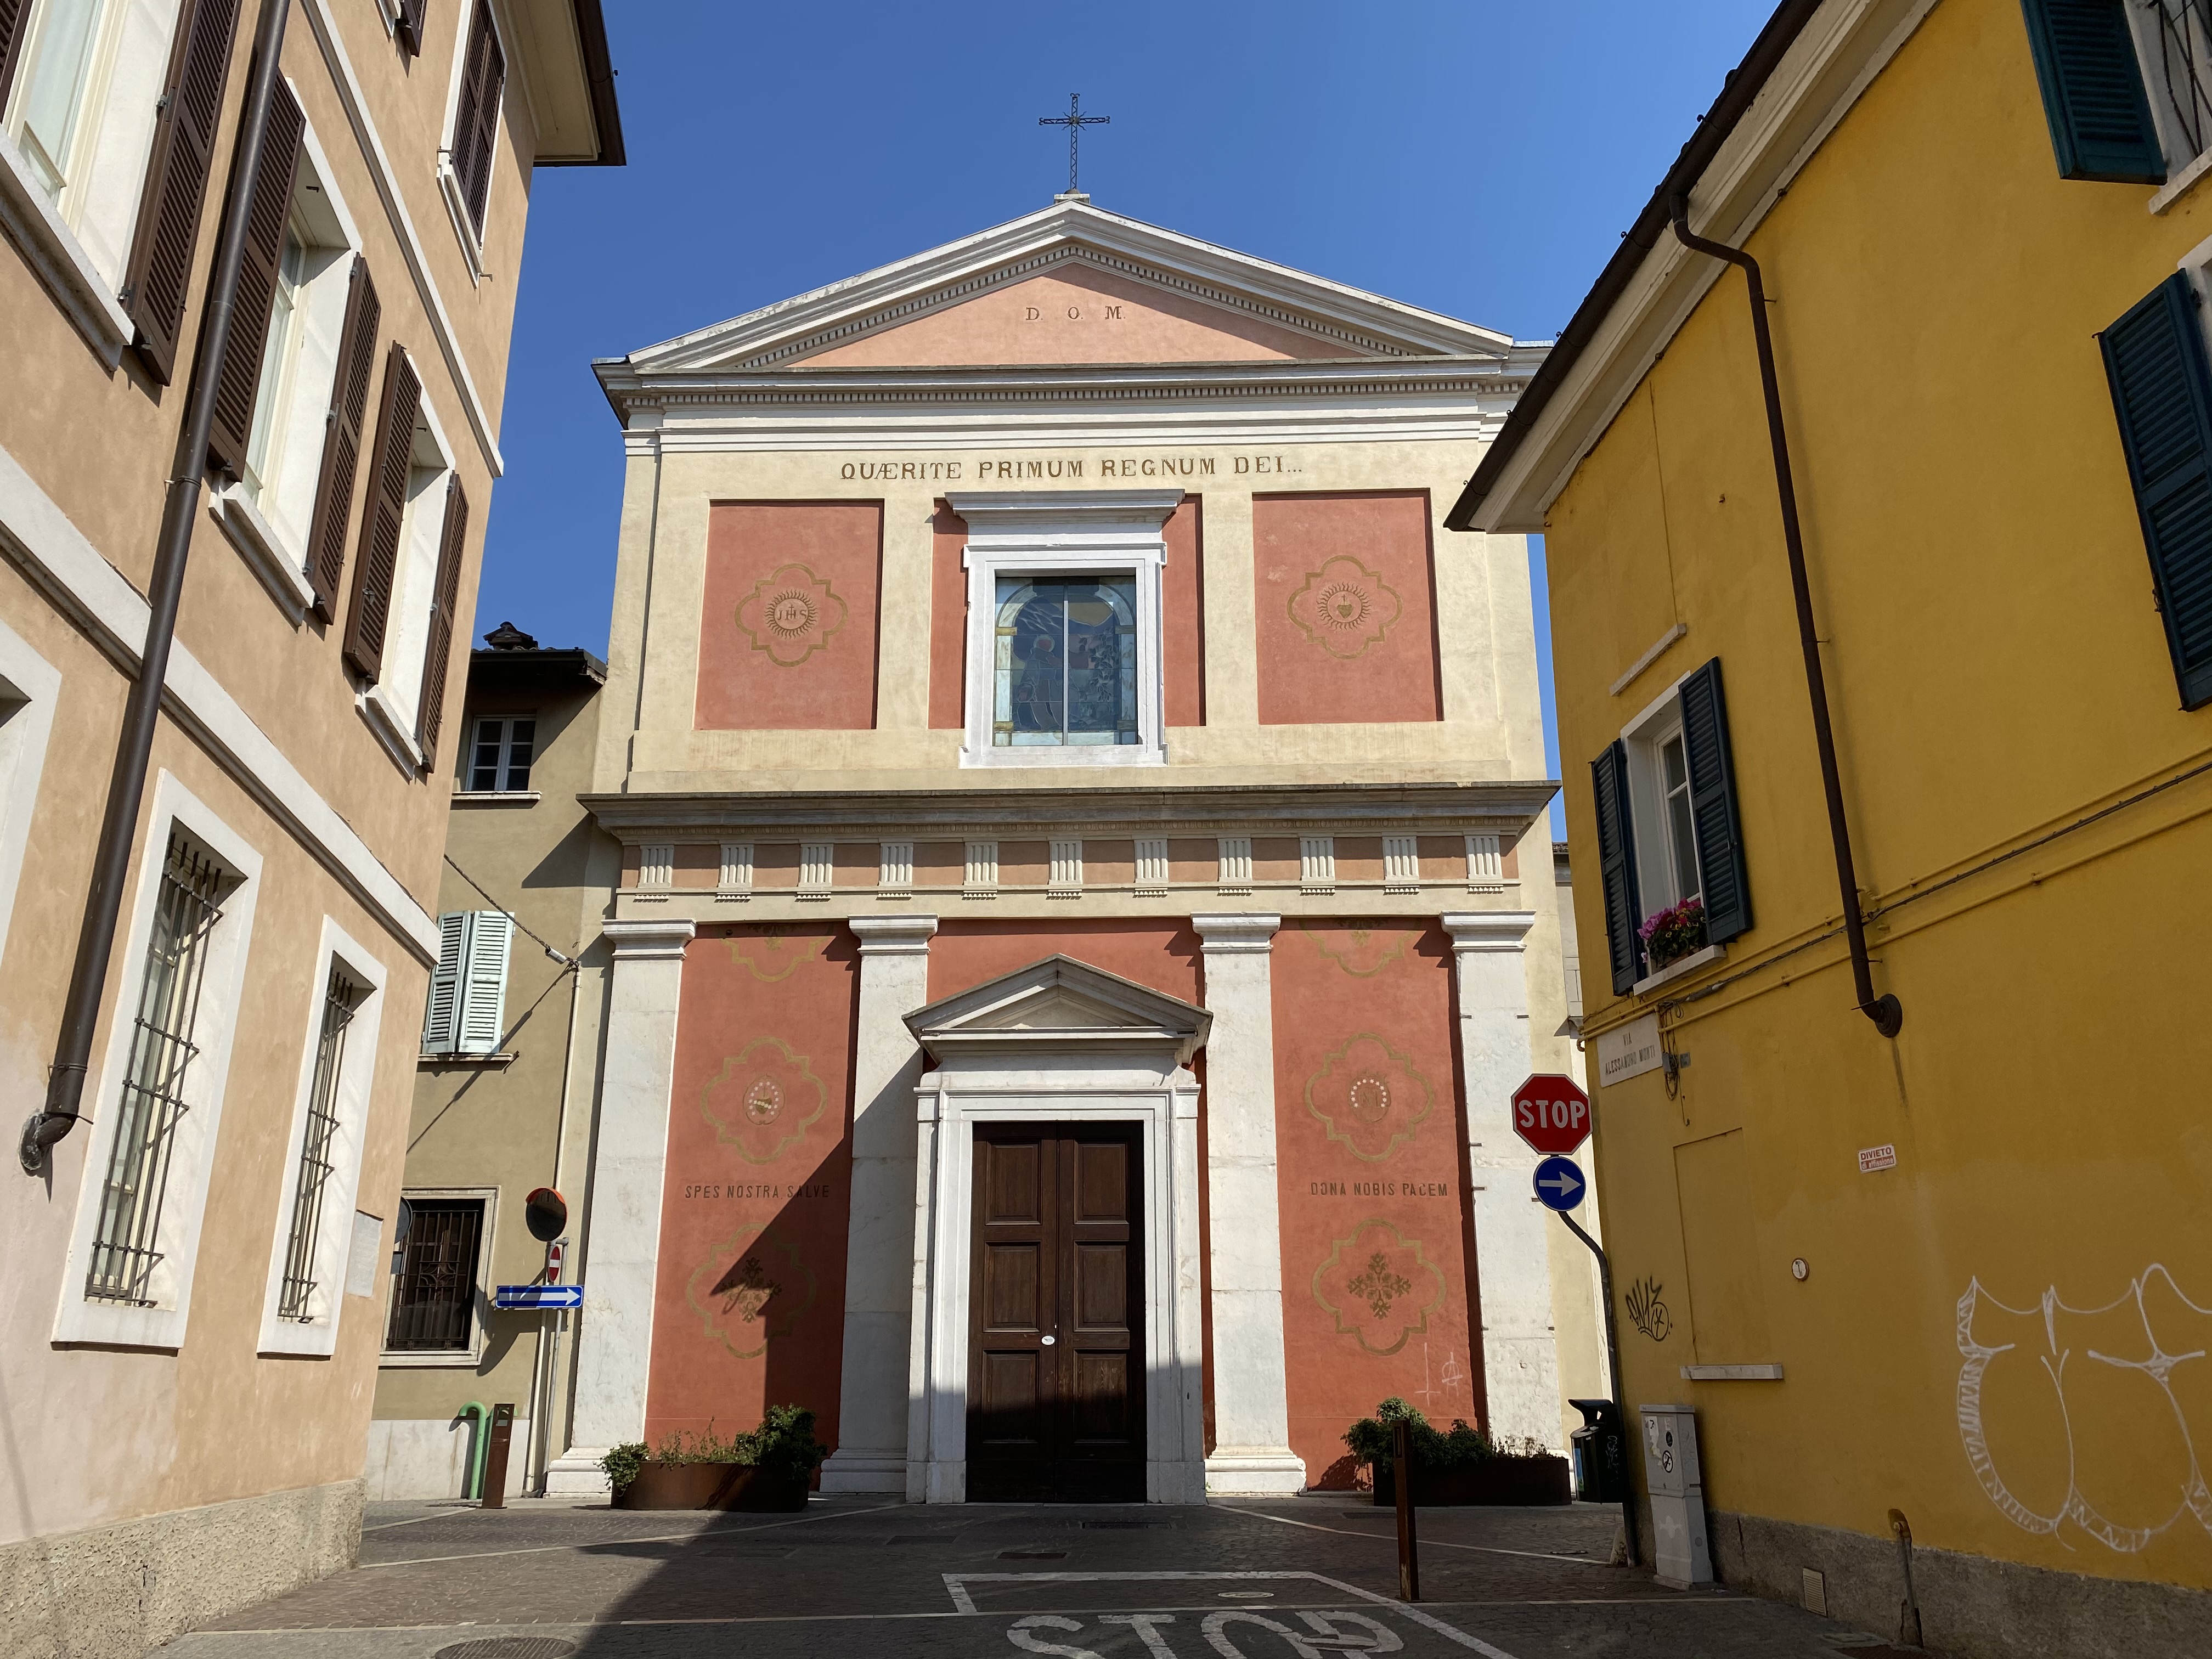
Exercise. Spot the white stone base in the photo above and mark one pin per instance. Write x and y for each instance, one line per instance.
(864, 1472)
(576, 1474)
(1254, 1472)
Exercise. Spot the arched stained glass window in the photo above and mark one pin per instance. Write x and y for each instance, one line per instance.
(1066, 669)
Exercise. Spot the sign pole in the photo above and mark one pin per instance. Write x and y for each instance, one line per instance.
(1612, 1362)
(1409, 1556)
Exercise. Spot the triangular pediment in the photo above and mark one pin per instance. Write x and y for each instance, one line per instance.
(1060, 1001)
(969, 303)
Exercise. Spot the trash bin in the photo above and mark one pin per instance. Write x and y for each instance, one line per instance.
(1601, 1452)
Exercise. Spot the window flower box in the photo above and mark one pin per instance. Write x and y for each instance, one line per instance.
(1671, 934)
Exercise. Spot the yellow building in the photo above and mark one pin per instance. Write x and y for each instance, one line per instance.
(1918, 1229)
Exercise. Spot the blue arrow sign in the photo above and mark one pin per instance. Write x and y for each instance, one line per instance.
(1559, 1183)
(525, 1298)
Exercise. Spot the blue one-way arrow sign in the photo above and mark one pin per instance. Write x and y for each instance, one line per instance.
(1559, 1183)
(524, 1298)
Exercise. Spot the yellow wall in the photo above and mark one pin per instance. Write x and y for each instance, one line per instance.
(1997, 672)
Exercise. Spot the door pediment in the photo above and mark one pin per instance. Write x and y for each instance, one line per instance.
(1059, 1004)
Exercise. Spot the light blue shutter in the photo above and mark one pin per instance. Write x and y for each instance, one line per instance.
(483, 984)
(439, 1029)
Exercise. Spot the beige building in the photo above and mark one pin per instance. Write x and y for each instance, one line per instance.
(197, 1258)
(503, 1087)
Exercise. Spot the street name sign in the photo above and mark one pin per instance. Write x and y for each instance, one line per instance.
(523, 1298)
(1560, 1184)
(1628, 1051)
(1551, 1114)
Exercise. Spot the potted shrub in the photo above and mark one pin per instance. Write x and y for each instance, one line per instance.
(769, 1468)
(1671, 934)
(1458, 1466)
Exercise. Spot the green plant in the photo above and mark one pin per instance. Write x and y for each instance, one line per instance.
(681, 1446)
(785, 1443)
(1373, 1439)
(622, 1464)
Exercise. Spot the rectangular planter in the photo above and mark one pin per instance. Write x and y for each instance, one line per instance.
(711, 1487)
(1491, 1480)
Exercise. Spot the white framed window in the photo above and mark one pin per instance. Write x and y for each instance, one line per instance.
(2173, 42)
(500, 753)
(269, 512)
(394, 702)
(1064, 657)
(1659, 793)
(314, 1241)
(80, 118)
(148, 1157)
(442, 1289)
(474, 101)
(29, 689)
(466, 1013)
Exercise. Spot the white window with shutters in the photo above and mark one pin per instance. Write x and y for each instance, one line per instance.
(467, 1009)
(465, 164)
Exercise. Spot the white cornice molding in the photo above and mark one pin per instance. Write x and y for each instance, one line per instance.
(907, 288)
(1488, 930)
(659, 939)
(893, 936)
(1834, 59)
(1238, 932)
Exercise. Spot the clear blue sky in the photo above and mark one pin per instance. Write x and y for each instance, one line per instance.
(1477, 157)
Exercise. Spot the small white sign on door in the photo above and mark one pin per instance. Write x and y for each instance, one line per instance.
(1629, 1050)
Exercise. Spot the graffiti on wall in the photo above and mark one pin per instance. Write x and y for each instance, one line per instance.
(2061, 1409)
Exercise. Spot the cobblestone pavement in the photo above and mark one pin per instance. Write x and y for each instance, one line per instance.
(1291, 1579)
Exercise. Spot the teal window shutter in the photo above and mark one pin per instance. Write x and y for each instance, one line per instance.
(2092, 91)
(1721, 878)
(440, 1031)
(2155, 359)
(1616, 860)
(483, 984)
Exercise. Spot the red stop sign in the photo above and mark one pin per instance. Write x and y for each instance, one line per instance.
(1552, 1113)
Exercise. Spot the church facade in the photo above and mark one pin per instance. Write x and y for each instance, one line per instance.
(1086, 896)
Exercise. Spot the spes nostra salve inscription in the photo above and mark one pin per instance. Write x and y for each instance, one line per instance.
(989, 469)
(730, 1189)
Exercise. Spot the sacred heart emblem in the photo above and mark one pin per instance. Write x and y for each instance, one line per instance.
(764, 1099)
(1378, 1286)
(1362, 951)
(749, 1287)
(1369, 1096)
(791, 614)
(1345, 607)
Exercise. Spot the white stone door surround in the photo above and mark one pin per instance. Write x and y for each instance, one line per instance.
(1058, 1040)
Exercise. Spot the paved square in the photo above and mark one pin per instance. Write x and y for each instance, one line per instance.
(1304, 1578)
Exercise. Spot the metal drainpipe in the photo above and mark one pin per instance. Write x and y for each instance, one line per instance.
(127, 789)
(1885, 1010)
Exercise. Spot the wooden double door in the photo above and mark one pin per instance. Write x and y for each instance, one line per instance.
(1055, 1349)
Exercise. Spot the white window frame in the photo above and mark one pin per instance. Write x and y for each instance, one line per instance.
(191, 1166)
(30, 686)
(270, 527)
(79, 242)
(501, 786)
(466, 1358)
(2185, 162)
(1644, 735)
(390, 703)
(334, 1233)
(1077, 532)
(449, 181)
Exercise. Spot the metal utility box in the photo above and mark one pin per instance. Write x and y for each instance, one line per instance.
(1601, 1452)
(1676, 1484)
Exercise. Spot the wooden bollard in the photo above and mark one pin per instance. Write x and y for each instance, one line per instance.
(1409, 1551)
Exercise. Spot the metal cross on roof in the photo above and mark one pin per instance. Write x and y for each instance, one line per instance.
(1075, 120)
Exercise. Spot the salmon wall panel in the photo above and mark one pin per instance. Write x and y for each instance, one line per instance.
(1375, 1247)
(787, 622)
(1182, 620)
(948, 621)
(750, 1307)
(1162, 955)
(1346, 602)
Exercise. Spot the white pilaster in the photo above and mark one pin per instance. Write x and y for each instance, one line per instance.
(1513, 1268)
(872, 1409)
(1251, 1411)
(622, 1238)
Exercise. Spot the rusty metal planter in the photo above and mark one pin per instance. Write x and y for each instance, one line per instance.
(711, 1487)
(1489, 1480)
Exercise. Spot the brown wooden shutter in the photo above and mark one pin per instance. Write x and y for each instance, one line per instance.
(14, 14)
(160, 271)
(238, 387)
(409, 26)
(430, 708)
(341, 435)
(476, 125)
(369, 608)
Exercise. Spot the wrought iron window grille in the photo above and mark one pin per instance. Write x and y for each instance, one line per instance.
(125, 1240)
(433, 1303)
(297, 1299)
(2185, 42)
